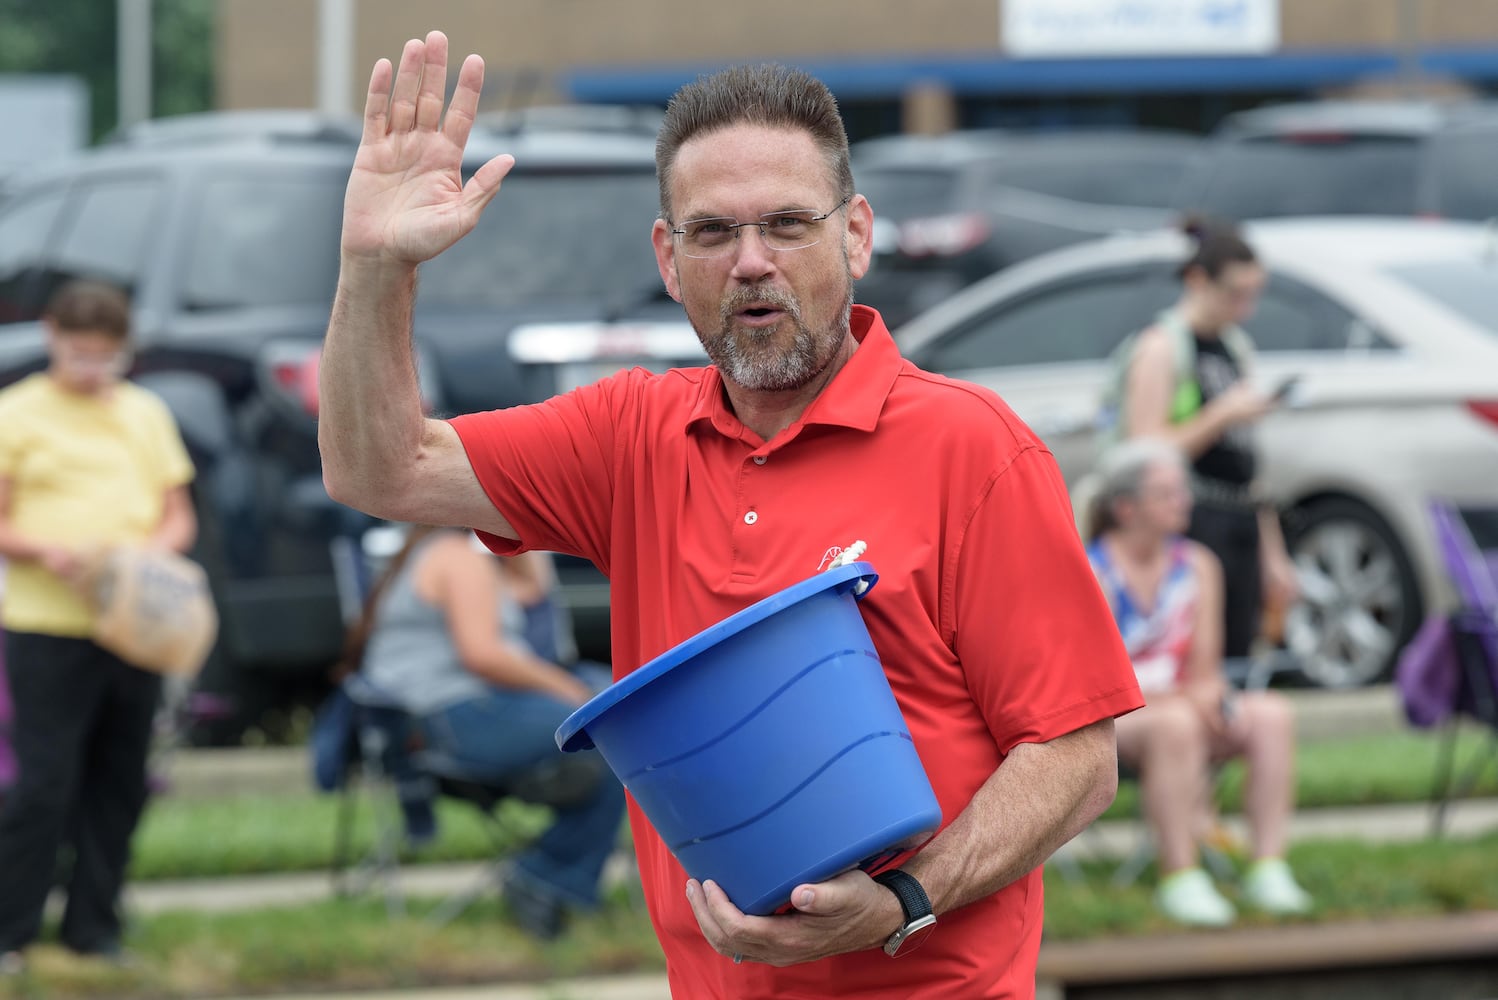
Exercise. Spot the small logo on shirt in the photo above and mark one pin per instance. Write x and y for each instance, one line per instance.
(829, 557)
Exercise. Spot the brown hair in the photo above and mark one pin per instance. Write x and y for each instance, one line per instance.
(356, 639)
(1217, 244)
(770, 95)
(90, 307)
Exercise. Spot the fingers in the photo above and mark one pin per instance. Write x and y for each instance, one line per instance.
(707, 916)
(377, 103)
(429, 99)
(407, 86)
(465, 103)
(484, 184)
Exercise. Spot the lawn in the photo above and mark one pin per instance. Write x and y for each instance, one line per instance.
(192, 838)
(354, 944)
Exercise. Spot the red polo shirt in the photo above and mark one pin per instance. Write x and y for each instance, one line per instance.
(987, 619)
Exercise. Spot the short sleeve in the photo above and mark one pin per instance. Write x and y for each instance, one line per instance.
(1039, 648)
(12, 442)
(548, 467)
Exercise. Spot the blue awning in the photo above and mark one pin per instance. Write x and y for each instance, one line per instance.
(873, 77)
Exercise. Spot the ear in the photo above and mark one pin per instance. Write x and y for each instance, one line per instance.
(860, 238)
(665, 257)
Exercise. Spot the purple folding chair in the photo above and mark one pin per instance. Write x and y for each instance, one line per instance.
(1474, 637)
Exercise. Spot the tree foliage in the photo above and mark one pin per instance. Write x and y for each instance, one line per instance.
(78, 37)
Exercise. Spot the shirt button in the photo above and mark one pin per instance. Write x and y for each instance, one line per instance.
(760, 460)
(751, 517)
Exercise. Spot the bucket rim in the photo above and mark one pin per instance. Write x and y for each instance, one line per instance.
(572, 734)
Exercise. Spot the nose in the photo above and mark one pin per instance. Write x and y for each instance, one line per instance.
(752, 257)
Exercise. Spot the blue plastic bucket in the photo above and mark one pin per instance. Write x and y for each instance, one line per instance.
(768, 750)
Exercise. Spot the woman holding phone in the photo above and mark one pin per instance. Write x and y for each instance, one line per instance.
(1187, 379)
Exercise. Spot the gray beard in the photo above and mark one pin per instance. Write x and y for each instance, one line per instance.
(747, 357)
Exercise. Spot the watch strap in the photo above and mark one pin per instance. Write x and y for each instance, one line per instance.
(909, 891)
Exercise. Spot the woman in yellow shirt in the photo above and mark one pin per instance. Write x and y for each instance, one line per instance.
(87, 460)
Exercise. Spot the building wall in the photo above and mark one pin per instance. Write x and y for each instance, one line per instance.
(267, 48)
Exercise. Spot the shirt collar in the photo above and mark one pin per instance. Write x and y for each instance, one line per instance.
(854, 398)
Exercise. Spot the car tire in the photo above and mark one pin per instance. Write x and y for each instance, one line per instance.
(1359, 601)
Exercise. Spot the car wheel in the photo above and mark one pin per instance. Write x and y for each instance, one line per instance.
(1359, 599)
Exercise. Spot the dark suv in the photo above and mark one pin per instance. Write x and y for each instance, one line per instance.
(951, 209)
(1430, 158)
(229, 245)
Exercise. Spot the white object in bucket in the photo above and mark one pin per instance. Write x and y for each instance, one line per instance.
(851, 555)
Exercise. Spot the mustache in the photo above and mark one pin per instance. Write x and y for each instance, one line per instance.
(741, 298)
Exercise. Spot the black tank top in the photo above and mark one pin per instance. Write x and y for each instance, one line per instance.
(1231, 458)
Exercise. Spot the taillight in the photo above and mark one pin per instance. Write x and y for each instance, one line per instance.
(297, 377)
(942, 235)
(1487, 409)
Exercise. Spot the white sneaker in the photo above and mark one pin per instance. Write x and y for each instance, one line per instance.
(1270, 886)
(1189, 897)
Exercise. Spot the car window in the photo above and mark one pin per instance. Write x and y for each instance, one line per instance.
(1292, 316)
(264, 240)
(569, 236)
(1311, 175)
(1462, 167)
(1467, 287)
(1135, 179)
(107, 234)
(908, 193)
(25, 226)
(1073, 320)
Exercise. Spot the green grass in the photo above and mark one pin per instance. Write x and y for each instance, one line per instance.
(1350, 880)
(1363, 770)
(353, 944)
(195, 838)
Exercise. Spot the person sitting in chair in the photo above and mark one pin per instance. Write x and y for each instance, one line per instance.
(443, 636)
(1166, 593)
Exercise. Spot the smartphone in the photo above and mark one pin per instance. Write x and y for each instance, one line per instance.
(1282, 391)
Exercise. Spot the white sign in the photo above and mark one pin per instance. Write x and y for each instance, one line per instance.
(1139, 27)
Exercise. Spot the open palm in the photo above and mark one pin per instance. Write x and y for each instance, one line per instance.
(406, 200)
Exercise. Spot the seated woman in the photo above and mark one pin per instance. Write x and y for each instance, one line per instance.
(444, 637)
(1166, 594)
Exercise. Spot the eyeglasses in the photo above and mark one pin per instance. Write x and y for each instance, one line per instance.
(113, 363)
(707, 238)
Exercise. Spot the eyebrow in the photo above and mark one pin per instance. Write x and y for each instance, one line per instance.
(774, 211)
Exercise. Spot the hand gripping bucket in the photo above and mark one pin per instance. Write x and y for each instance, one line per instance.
(768, 750)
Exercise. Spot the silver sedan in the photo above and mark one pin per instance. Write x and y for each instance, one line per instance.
(1392, 327)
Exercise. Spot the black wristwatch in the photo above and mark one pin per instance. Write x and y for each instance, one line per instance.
(919, 920)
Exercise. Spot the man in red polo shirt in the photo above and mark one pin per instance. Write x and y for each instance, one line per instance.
(701, 491)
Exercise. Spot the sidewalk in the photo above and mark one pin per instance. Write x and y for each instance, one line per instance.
(1115, 838)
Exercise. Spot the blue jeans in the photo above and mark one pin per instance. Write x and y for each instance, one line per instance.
(502, 734)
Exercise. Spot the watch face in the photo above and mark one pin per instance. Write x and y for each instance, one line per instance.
(911, 936)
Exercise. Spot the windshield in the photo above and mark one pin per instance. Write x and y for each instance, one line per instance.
(1313, 175)
(582, 236)
(902, 194)
(1466, 287)
(1137, 180)
(1463, 166)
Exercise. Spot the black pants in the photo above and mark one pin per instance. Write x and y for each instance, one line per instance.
(83, 721)
(1232, 533)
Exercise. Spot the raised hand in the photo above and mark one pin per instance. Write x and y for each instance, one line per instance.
(406, 201)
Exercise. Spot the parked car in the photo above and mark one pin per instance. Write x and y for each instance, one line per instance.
(952, 209)
(229, 246)
(1392, 326)
(1430, 158)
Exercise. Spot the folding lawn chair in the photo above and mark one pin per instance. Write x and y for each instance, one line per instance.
(1449, 671)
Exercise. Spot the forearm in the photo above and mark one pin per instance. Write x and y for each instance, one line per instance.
(1042, 796)
(370, 421)
(512, 667)
(176, 532)
(17, 546)
(1199, 433)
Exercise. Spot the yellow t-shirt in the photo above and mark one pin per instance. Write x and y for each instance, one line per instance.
(83, 471)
